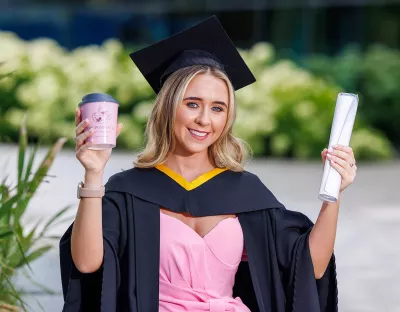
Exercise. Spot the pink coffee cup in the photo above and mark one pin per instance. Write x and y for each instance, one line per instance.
(102, 112)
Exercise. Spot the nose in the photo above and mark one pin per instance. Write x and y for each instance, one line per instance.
(203, 119)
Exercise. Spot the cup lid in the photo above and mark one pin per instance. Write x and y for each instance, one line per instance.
(97, 97)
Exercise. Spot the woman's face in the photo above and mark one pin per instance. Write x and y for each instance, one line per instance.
(201, 117)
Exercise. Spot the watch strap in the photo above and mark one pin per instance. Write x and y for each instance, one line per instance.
(89, 192)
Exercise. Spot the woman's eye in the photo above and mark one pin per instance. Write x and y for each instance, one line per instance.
(192, 105)
(217, 109)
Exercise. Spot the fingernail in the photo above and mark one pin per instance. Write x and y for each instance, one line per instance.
(86, 120)
(122, 124)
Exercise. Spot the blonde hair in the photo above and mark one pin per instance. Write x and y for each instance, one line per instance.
(227, 151)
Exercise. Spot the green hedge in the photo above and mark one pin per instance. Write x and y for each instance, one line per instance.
(288, 112)
(375, 75)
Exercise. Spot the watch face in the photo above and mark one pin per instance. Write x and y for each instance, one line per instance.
(80, 184)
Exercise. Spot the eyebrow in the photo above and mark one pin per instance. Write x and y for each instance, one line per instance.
(200, 99)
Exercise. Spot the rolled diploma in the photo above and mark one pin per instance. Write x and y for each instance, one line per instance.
(342, 127)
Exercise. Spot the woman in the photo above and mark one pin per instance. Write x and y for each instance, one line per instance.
(188, 229)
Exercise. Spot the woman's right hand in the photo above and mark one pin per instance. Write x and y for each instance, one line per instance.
(92, 161)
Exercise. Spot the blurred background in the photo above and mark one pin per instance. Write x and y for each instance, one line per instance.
(303, 53)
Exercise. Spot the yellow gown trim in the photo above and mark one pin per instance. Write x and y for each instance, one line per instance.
(192, 184)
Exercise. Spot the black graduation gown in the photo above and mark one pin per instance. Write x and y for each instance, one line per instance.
(278, 276)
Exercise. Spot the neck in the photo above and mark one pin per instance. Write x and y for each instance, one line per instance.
(189, 167)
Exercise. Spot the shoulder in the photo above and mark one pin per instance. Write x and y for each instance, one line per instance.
(132, 180)
(243, 176)
(250, 179)
(249, 176)
(117, 179)
(249, 186)
(122, 181)
(120, 177)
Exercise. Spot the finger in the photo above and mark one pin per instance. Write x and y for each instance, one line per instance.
(343, 155)
(80, 139)
(77, 116)
(119, 128)
(342, 171)
(342, 163)
(79, 129)
(83, 148)
(323, 154)
(344, 148)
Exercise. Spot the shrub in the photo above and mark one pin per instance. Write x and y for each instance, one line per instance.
(288, 112)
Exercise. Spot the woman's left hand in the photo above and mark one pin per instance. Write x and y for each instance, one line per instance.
(342, 159)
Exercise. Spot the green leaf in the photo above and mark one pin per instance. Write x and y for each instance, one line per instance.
(27, 242)
(7, 206)
(4, 190)
(14, 292)
(30, 239)
(53, 219)
(6, 266)
(35, 254)
(22, 149)
(6, 233)
(41, 286)
(20, 209)
(30, 163)
(22, 255)
(45, 164)
(16, 249)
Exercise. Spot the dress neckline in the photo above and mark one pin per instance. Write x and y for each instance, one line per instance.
(193, 231)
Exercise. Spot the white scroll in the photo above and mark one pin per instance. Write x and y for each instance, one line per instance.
(342, 127)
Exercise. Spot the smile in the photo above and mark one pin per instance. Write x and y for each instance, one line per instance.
(199, 135)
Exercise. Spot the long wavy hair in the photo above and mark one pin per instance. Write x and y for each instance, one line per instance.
(226, 152)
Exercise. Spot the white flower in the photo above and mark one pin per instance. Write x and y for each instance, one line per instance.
(262, 52)
(113, 47)
(43, 91)
(305, 110)
(43, 53)
(12, 50)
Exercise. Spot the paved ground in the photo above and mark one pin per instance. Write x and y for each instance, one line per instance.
(368, 254)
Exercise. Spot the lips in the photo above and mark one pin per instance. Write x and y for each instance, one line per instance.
(199, 135)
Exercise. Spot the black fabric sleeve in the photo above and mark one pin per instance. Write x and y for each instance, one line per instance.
(84, 292)
(304, 293)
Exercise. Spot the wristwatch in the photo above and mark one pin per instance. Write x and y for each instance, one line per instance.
(83, 192)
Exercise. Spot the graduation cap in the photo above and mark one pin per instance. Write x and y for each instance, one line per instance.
(206, 43)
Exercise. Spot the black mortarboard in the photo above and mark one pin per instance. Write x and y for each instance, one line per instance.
(206, 43)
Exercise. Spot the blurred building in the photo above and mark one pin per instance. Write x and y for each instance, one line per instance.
(295, 27)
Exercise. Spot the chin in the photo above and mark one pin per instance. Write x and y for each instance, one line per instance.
(191, 149)
(195, 149)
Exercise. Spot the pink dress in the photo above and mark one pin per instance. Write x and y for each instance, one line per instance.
(198, 273)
